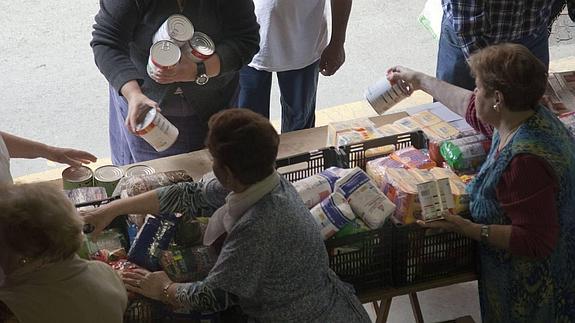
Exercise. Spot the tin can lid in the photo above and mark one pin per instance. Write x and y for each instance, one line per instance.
(76, 174)
(148, 119)
(108, 173)
(165, 53)
(137, 170)
(180, 28)
(202, 43)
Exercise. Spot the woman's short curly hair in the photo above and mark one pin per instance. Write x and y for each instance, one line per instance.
(245, 142)
(514, 71)
(37, 221)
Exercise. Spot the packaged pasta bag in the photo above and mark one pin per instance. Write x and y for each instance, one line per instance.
(318, 187)
(188, 264)
(365, 199)
(400, 186)
(154, 237)
(332, 214)
(376, 169)
(413, 158)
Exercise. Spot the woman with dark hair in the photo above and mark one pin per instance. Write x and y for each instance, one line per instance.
(523, 198)
(272, 260)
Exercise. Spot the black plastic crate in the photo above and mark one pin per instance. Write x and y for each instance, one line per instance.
(303, 165)
(354, 155)
(363, 259)
(421, 255)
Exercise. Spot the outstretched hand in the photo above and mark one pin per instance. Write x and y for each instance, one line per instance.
(450, 222)
(69, 156)
(398, 73)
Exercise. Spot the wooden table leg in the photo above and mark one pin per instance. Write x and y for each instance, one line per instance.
(415, 307)
(382, 311)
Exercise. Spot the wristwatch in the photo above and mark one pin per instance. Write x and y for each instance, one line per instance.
(202, 77)
(484, 233)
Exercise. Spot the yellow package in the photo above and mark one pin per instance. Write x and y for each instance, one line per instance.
(426, 118)
(401, 188)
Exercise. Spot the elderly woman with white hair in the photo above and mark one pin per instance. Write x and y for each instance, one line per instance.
(41, 277)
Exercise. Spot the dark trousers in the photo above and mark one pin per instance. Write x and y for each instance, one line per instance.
(452, 66)
(298, 90)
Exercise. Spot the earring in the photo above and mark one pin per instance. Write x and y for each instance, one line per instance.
(496, 107)
(24, 261)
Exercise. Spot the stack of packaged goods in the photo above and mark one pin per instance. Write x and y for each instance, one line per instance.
(400, 176)
(344, 201)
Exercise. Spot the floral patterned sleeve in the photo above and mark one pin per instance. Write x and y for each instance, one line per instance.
(198, 296)
(193, 198)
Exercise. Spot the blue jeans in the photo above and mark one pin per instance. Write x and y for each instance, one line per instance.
(298, 89)
(452, 66)
(128, 148)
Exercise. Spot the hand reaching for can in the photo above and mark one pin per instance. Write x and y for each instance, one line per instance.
(410, 76)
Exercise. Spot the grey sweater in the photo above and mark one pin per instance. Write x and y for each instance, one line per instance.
(123, 34)
(274, 259)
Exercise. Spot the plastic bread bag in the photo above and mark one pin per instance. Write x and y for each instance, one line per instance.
(413, 158)
(188, 264)
(365, 199)
(376, 169)
(332, 214)
(154, 237)
(139, 184)
(318, 187)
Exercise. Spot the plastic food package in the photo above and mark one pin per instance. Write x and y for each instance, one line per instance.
(353, 227)
(318, 187)
(465, 154)
(365, 199)
(188, 264)
(376, 169)
(351, 131)
(413, 158)
(154, 237)
(332, 214)
(135, 185)
(400, 186)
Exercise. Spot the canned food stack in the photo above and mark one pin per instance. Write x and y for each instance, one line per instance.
(174, 37)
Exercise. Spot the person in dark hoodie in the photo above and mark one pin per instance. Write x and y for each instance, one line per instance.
(189, 93)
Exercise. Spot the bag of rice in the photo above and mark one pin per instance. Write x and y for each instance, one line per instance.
(365, 199)
(332, 214)
(318, 187)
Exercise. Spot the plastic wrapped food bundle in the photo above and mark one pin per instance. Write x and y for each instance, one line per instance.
(154, 237)
(332, 214)
(400, 186)
(135, 185)
(318, 187)
(188, 264)
(376, 169)
(467, 153)
(365, 199)
(189, 231)
(413, 158)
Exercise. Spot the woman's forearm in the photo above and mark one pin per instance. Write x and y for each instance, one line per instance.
(145, 203)
(24, 148)
(499, 235)
(453, 97)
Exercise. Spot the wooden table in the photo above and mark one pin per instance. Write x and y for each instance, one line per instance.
(381, 299)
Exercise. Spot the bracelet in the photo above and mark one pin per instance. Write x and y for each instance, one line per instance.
(165, 291)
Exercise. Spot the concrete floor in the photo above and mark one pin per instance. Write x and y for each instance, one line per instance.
(51, 90)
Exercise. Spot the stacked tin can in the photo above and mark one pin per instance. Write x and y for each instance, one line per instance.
(165, 52)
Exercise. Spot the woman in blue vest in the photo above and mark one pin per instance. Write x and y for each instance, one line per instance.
(523, 198)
